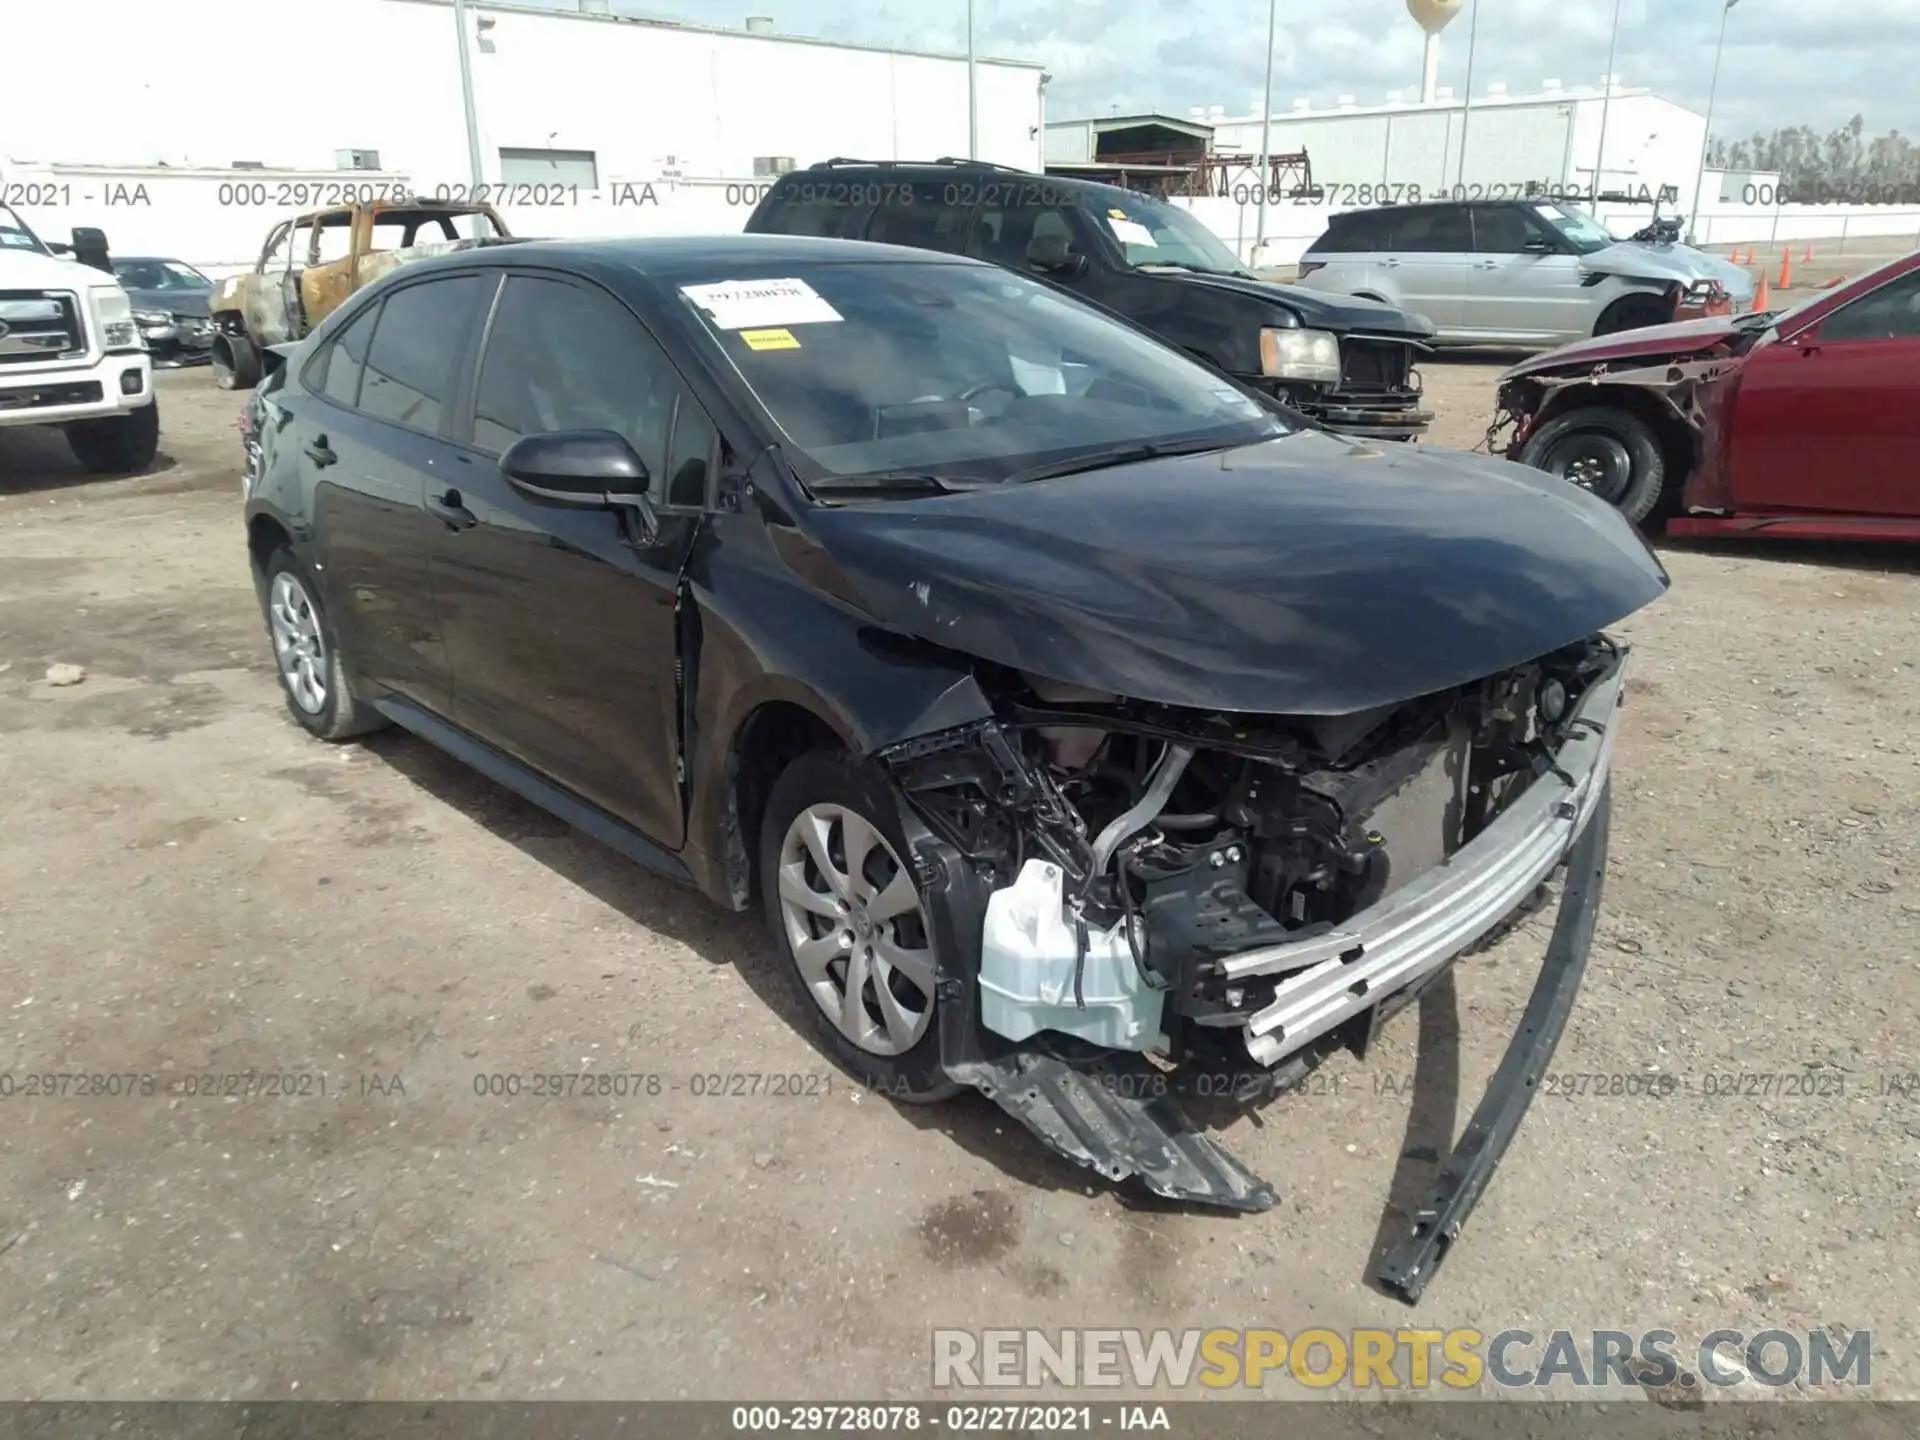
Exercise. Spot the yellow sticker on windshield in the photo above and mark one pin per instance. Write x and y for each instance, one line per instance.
(1117, 215)
(769, 339)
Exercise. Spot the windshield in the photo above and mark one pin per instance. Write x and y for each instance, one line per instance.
(1155, 233)
(1581, 231)
(14, 234)
(969, 373)
(160, 275)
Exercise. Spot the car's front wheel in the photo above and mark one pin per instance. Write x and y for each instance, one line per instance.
(122, 444)
(307, 655)
(846, 913)
(1613, 453)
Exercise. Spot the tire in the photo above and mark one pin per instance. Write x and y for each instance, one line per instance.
(122, 444)
(1612, 453)
(307, 656)
(1636, 312)
(893, 1047)
(236, 364)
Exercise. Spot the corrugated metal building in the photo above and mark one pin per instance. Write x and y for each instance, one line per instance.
(1550, 138)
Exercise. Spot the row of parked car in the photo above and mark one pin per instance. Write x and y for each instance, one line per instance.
(1021, 613)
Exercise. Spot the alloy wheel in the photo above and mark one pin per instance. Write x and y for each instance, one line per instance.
(298, 643)
(856, 930)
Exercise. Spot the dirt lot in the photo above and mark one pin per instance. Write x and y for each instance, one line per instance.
(191, 887)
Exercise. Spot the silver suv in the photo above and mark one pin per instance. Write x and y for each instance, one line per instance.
(1531, 273)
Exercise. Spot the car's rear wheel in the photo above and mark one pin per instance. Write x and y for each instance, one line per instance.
(236, 364)
(307, 655)
(122, 444)
(846, 913)
(1613, 453)
(1636, 312)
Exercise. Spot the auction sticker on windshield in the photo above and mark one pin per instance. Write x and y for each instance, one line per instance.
(770, 339)
(760, 304)
(1131, 232)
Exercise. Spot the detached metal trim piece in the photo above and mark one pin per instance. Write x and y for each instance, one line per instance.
(1423, 925)
(1411, 1264)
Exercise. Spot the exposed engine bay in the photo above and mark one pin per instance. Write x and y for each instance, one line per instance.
(1235, 896)
(1183, 841)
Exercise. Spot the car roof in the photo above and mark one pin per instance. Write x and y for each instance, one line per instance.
(149, 260)
(947, 168)
(668, 254)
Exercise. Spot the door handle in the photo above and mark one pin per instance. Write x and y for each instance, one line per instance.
(321, 454)
(1391, 264)
(1487, 265)
(449, 508)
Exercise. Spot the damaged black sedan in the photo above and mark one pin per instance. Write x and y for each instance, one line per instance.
(1083, 723)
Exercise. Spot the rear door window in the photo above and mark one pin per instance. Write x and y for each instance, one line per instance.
(335, 372)
(806, 205)
(918, 213)
(1356, 234)
(415, 355)
(1443, 229)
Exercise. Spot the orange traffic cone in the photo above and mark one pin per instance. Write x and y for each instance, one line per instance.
(1807, 259)
(1763, 298)
(1747, 261)
(1786, 268)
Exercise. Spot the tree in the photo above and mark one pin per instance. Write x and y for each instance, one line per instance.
(1813, 166)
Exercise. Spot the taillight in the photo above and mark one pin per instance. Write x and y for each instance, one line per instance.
(1307, 267)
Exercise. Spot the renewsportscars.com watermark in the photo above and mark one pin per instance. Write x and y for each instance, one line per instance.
(1408, 1359)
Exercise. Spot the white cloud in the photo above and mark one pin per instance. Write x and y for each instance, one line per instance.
(1808, 63)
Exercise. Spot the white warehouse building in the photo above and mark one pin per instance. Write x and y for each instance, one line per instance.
(209, 119)
(1551, 138)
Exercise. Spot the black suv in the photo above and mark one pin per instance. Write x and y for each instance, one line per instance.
(1346, 363)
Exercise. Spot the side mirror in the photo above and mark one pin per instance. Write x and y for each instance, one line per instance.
(586, 469)
(90, 247)
(1538, 245)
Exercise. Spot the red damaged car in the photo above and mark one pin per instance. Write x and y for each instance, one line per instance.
(1802, 423)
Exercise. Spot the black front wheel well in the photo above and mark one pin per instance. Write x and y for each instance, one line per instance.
(774, 736)
(264, 536)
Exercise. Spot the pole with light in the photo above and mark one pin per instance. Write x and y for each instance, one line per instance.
(1266, 134)
(1606, 108)
(1466, 102)
(1713, 92)
(466, 99)
(973, 94)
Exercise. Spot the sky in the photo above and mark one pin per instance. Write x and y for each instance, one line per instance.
(1787, 62)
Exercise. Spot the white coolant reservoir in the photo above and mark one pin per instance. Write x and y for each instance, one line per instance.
(1027, 961)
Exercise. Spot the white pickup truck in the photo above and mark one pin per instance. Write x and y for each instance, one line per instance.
(70, 351)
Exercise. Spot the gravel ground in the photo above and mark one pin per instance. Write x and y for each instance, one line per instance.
(189, 887)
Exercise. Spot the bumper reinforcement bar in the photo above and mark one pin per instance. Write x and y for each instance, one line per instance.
(1424, 924)
(1437, 1223)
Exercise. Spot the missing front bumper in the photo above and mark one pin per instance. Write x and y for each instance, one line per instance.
(1117, 1115)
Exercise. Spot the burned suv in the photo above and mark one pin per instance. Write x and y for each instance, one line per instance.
(1080, 721)
(1348, 364)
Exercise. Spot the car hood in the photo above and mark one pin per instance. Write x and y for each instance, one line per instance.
(1306, 576)
(1638, 260)
(23, 269)
(1317, 309)
(174, 302)
(1683, 337)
